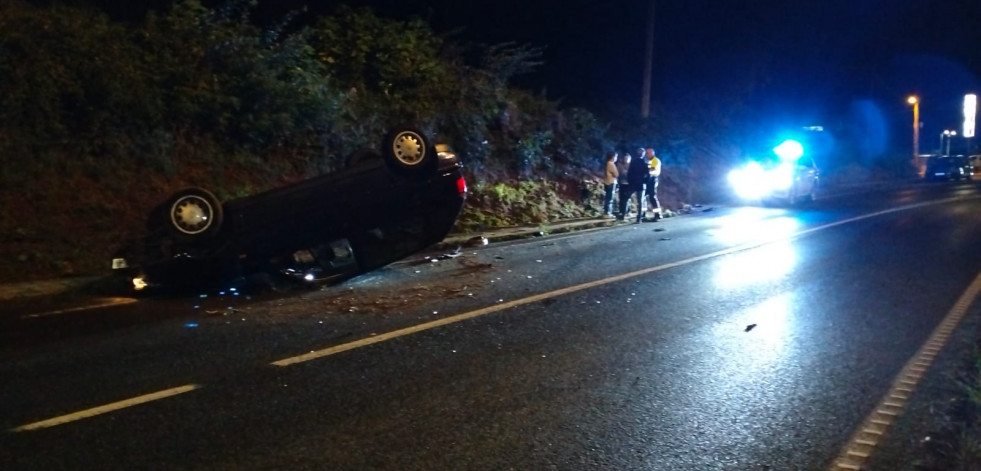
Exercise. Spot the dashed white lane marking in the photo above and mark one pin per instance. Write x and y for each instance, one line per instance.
(862, 444)
(106, 302)
(313, 355)
(454, 319)
(106, 408)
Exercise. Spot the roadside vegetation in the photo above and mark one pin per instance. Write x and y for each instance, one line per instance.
(957, 444)
(103, 118)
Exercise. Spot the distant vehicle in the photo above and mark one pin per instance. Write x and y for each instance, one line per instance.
(379, 209)
(792, 178)
(949, 168)
(975, 161)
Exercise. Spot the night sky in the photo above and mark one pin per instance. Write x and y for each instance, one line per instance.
(804, 62)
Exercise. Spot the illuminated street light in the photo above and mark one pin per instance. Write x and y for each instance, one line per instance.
(915, 101)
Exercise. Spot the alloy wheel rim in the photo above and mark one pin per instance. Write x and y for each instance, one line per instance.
(191, 215)
(408, 148)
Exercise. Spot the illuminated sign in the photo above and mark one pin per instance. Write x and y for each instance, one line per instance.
(970, 108)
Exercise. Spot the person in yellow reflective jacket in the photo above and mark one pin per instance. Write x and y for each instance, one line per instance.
(654, 172)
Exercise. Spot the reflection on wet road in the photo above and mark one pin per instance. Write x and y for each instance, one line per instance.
(744, 338)
(767, 263)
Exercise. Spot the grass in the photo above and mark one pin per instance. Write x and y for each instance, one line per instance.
(517, 203)
(957, 446)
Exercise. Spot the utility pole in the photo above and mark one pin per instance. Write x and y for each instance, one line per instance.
(645, 100)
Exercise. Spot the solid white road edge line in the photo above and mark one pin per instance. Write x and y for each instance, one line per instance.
(106, 408)
(862, 444)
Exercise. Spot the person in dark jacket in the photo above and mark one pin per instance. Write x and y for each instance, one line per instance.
(637, 175)
(623, 198)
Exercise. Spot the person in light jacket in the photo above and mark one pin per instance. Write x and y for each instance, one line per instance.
(610, 184)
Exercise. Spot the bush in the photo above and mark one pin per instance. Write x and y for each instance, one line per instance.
(506, 204)
(102, 119)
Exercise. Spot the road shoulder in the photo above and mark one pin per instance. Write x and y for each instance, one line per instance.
(925, 421)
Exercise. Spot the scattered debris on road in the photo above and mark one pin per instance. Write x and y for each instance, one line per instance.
(477, 241)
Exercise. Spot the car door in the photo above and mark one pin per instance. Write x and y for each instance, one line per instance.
(805, 175)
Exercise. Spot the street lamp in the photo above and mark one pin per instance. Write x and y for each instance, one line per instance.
(950, 133)
(915, 101)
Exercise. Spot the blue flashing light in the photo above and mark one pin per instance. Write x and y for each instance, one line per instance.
(789, 150)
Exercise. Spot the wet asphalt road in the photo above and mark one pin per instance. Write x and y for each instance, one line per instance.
(728, 339)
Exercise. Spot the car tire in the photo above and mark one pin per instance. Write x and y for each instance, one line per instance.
(193, 213)
(409, 152)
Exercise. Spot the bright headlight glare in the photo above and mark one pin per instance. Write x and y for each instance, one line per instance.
(749, 182)
(781, 177)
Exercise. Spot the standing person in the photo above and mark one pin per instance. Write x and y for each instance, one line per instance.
(610, 184)
(637, 175)
(623, 202)
(654, 164)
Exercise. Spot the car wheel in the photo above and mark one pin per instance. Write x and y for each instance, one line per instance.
(409, 151)
(193, 213)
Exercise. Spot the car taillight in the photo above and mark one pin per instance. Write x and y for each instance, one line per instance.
(461, 186)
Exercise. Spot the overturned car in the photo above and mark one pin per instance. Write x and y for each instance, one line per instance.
(378, 209)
